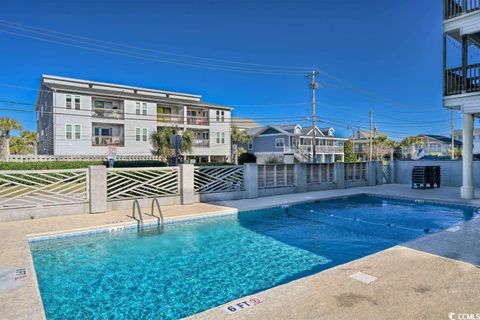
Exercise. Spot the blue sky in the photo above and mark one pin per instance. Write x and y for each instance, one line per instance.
(384, 56)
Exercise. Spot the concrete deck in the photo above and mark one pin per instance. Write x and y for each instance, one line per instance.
(25, 302)
(411, 284)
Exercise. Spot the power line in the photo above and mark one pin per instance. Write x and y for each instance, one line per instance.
(116, 51)
(298, 68)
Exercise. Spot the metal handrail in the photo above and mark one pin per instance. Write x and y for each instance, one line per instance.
(136, 206)
(160, 216)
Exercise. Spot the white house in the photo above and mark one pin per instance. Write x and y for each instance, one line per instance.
(81, 117)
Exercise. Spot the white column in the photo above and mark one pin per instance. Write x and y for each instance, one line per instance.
(250, 179)
(467, 191)
(97, 188)
(187, 191)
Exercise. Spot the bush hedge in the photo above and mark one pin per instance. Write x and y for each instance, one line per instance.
(55, 165)
(247, 158)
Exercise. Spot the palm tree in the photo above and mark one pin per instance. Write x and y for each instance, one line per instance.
(187, 141)
(162, 144)
(29, 139)
(411, 142)
(239, 137)
(7, 125)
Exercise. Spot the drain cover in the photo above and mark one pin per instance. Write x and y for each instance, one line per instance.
(363, 277)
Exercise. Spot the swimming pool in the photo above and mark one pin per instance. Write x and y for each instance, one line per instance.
(194, 266)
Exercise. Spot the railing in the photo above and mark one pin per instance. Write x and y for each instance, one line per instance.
(36, 188)
(356, 171)
(170, 118)
(322, 149)
(275, 175)
(136, 183)
(107, 141)
(34, 157)
(202, 121)
(321, 173)
(454, 8)
(201, 143)
(107, 113)
(456, 83)
(218, 179)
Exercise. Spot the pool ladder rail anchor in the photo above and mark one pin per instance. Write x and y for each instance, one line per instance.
(136, 208)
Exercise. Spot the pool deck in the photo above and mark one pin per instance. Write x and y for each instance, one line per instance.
(421, 279)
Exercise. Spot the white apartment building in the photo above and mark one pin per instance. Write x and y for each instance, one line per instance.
(461, 79)
(81, 117)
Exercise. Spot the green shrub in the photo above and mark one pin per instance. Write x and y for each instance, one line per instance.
(213, 164)
(247, 158)
(57, 165)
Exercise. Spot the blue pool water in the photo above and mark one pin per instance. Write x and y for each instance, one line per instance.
(194, 266)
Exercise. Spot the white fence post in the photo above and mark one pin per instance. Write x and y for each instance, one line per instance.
(97, 188)
(371, 173)
(250, 180)
(187, 193)
(379, 172)
(340, 174)
(300, 177)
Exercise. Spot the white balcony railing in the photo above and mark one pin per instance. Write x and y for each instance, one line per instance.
(107, 141)
(318, 149)
(107, 113)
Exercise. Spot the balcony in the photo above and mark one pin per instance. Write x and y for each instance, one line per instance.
(201, 143)
(318, 149)
(457, 83)
(455, 8)
(102, 141)
(169, 118)
(103, 113)
(201, 121)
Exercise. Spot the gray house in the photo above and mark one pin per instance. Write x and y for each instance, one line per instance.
(293, 143)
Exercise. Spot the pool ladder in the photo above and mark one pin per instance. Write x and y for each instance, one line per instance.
(136, 208)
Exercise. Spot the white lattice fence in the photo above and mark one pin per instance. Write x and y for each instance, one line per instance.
(320, 173)
(356, 171)
(218, 179)
(134, 183)
(275, 175)
(38, 188)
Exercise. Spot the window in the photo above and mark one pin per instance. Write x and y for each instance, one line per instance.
(220, 116)
(68, 132)
(279, 142)
(145, 134)
(137, 107)
(218, 137)
(137, 134)
(144, 108)
(73, 132)
(68, 101)
(77, 102)
(223, 137)
(250, 145)
(78, 132)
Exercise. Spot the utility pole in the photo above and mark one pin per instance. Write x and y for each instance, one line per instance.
(314, 86)
(371, 136)
(453, 137)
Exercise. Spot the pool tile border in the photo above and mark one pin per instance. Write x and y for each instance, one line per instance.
(124, 227)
